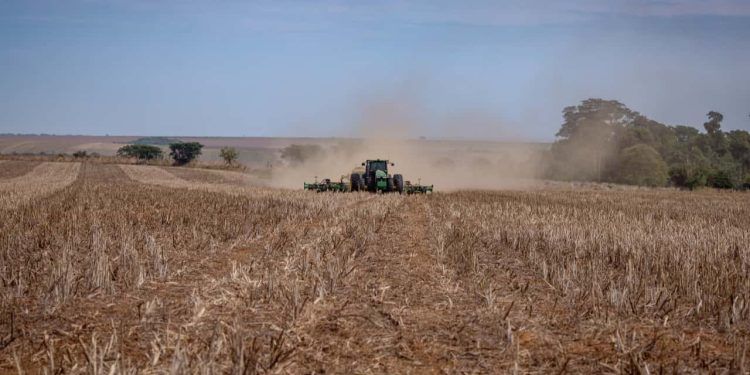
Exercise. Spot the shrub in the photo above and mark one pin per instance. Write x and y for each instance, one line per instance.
(80, 154)
(687, 177)
(697, 179)
(720, 180)
(229, 154)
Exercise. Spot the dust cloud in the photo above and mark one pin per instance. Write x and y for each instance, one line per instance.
(385, 129)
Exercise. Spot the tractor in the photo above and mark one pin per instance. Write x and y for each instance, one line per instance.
(373, 178)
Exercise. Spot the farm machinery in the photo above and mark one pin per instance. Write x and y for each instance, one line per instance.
(373, 178)
(327, 185)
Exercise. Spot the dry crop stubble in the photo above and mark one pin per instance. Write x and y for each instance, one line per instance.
(132, 268)
(195, 175)
(227, 181)
(144, 253)
(43, 179)
(656, 269)
(14, 168)
(214, 176)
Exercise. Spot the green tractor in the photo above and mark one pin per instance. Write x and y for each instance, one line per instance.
(375, 178)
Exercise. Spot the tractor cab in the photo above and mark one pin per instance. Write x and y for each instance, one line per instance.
(376, 176)
(374, 165)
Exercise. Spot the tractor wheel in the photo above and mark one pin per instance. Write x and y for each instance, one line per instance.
(356, 181)
(398, 181)
(389, 184)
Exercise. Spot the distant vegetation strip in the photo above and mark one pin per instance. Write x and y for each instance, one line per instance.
(102, 159)
(43, 180)
(159, 141)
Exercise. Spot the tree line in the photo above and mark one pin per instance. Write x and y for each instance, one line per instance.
(181, 152)
(605, 141)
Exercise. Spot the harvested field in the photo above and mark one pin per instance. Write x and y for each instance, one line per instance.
(142, 268)
(214, 176)
(228, 182)
(12, 168)
(195, 175)
(42, 180)
(155, 176)
(103, 173)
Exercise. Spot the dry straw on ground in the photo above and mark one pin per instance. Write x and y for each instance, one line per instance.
(134, 268)
(43, 179)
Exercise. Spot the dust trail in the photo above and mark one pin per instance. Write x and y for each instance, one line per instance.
(385, 128)
(43, 180)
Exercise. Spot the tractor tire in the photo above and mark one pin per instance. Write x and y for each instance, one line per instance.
(389, 185)
(356, 181)
(398, 182)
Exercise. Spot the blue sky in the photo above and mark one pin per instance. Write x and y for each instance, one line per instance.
(469, 69)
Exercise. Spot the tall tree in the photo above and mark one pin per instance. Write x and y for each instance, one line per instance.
(739, 148)
(716, 140)
(588, 140)
(714, 122)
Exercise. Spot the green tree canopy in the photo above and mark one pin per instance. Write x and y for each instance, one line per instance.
(184, 152)
(595, 135)
(141, 152)
(642, 165)
(714, 122)
(739, 147)
(602, 115)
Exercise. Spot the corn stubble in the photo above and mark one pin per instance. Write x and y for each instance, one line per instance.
(136, 269)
